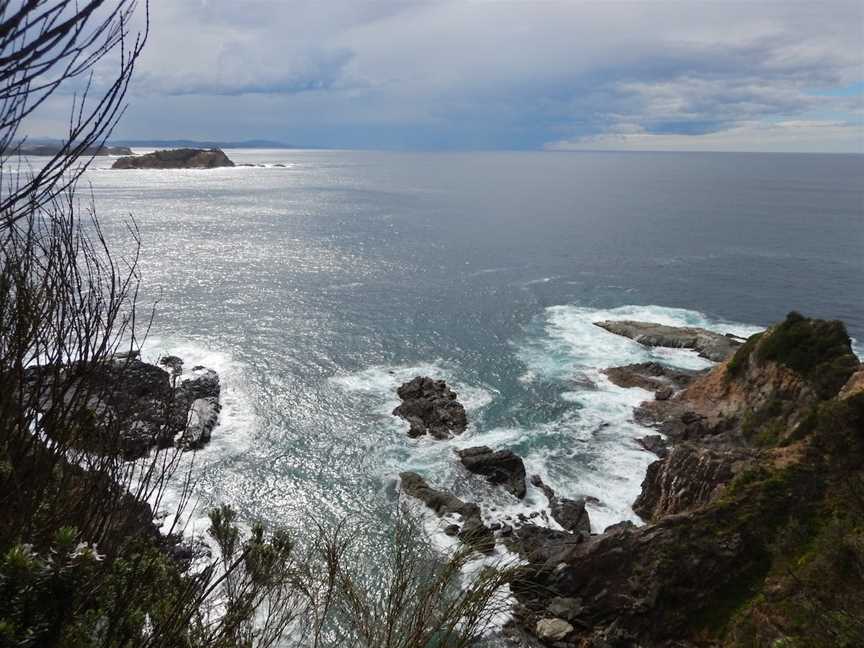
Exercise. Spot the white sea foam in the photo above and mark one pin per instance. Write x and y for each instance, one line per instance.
(603, 431)
(232, 435)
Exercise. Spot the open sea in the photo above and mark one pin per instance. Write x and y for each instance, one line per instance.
(317, 287)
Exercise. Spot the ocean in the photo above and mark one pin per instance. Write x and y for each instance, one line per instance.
(317, 287)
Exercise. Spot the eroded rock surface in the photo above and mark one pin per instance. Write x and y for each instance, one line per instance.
(689, 477)
(139, 405)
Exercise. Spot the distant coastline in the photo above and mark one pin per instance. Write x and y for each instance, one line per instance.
(189, 143)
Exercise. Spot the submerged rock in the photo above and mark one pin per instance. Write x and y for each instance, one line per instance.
(710, 345)
(185, 158)
(499, 467)
(430, 407)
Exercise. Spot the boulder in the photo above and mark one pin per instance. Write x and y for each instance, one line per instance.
(501, 467)
(430, 407)
(708, 344)
(185, 158)
(553, 629)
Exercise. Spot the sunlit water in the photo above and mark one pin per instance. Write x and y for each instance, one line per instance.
(317, 288)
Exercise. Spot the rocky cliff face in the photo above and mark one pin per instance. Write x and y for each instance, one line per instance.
(764, 447)
(176, 159)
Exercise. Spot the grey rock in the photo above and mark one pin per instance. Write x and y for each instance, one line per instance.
(473, 531)
(499, 467)
(708, 344)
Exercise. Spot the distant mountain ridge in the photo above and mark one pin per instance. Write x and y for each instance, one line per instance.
(188, 143)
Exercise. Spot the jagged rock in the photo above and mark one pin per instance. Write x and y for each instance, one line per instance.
(853, 386)
(656, 444)
(689, 477)
(185, 158)
(430, 407)
(570, 514)
(710, 345)
(499, 467)
(473, 532)
(553, 629)
(652, 376)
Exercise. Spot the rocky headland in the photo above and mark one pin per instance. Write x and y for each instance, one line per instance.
(185, 158)
(738, 512)
(39, 150)
(159, 406)
(753, 511)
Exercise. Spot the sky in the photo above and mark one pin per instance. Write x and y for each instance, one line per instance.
(712, 75)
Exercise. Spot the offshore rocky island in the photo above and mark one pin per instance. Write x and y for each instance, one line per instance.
(754, 509)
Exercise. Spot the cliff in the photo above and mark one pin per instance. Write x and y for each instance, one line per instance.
(756, 516)
(176, 159)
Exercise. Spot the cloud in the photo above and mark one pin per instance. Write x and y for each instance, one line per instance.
(492, 74)
(780, 137)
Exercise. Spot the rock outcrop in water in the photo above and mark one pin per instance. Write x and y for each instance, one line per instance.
(710, 345)
(570, 514)
(741, 545)
(176, 159)
(501, 467)
(472, 532)
(430, 407)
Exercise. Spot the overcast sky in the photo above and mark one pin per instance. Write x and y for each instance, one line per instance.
(785, 75)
